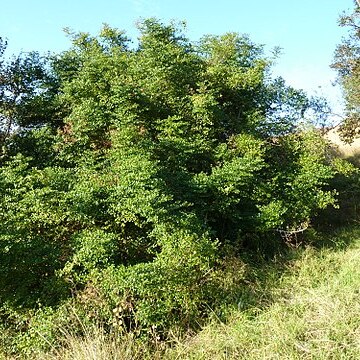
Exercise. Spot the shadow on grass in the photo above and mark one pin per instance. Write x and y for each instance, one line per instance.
(339, 238)
(249, 282)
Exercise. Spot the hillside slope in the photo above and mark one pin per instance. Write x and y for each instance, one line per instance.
(343, 149)
(314, 313)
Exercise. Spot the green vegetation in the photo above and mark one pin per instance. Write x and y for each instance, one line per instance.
(148, 190)
(348, 66)
(308, 311)
(301, 305)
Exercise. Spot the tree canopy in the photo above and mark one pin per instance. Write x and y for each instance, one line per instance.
(347, 63)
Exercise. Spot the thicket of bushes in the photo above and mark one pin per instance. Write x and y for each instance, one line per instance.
(128, 175)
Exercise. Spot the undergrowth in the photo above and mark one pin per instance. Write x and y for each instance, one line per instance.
(302, 304)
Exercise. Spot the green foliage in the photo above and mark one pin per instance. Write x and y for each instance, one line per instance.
(162, 157)
(347, 64)
(347, 183)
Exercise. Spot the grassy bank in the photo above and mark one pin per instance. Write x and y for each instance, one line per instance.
(304, 304)
(315, 314)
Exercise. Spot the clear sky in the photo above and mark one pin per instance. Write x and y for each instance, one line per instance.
(306, 30)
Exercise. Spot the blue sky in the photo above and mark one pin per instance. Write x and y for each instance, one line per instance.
(306, 30)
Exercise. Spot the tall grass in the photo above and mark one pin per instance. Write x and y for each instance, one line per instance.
(316, 314)
(306, 306)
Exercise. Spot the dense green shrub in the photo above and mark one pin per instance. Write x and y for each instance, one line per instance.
(161, 158)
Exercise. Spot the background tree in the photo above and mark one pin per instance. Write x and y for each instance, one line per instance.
(347, 63)
(27, 94)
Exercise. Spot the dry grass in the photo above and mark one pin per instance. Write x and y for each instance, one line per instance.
(343, 149)
(95, 345)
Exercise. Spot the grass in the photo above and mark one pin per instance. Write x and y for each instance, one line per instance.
(304, 306)
(349, 151)
(343, 149)
(315, 314)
